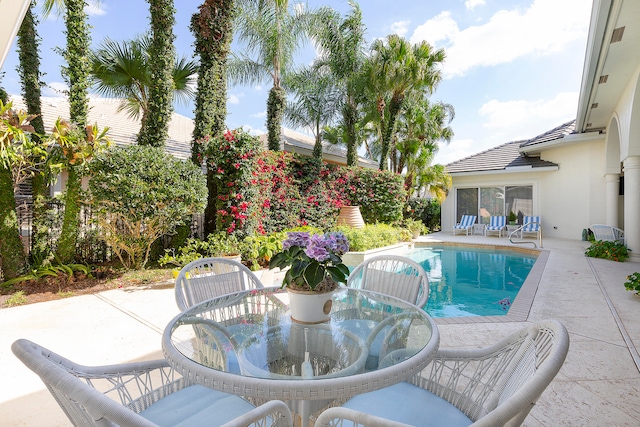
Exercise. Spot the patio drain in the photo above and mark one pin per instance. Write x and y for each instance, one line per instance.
(625, 336)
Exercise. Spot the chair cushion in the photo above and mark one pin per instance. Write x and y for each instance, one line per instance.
(196, 406)
(409, 404)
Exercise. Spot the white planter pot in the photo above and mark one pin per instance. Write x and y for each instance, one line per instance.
(310, 307)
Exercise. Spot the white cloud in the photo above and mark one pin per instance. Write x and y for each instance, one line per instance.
(56, 89)
(400, 28)
(234, 99)
(471, 4)
(253, 131)
(259, 115)
(523, 119)
(95, 8)
(547, 26)
(457, 149)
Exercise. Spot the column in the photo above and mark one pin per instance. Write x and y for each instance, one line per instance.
(611, 192)
(632, 205)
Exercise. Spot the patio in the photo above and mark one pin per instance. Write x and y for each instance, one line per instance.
(598, 384)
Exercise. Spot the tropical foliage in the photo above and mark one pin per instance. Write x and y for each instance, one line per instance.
(139, 194)
(613, 251)
(270, 33)
(123, 70)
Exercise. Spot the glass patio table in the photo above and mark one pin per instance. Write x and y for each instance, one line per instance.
(245, 343)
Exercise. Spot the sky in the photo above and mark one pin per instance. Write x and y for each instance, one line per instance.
(513, 68)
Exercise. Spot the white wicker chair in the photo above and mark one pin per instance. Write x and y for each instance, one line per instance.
(607, 233)
(142, 394)
(393, 275)
(208, 278)
(493, 386)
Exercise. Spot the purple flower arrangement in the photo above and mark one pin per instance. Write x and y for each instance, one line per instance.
(313, 260)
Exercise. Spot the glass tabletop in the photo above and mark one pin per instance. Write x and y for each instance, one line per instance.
(251, 334)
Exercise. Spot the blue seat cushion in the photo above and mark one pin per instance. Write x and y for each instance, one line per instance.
(196, 406)
(409, 404)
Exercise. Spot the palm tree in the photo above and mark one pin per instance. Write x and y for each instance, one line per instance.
(395, 69)
(122, 70)
(341, 45)
(212, 28)
(421, 126)
(154, 131)
(271, 35)
(76, 74)
(316, 102)
(29, 70)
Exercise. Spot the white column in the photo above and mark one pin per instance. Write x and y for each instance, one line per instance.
(632, 205)
(611, 192)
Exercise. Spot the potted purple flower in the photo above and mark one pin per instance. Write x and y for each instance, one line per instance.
(315, 270)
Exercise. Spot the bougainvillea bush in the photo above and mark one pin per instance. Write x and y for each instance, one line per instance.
(261, 191)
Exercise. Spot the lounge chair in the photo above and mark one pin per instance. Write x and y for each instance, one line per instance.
(493, 386)
(141, 394)
(531, 225)
(607, 233)
(465, 224)
(497, 224)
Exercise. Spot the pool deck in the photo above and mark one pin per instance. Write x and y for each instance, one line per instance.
(598, 385)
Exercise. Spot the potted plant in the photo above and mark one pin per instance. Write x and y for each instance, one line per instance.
(315, 269)
(416, 227)
(512, 218)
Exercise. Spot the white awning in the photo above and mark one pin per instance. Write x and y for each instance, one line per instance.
(12, 12)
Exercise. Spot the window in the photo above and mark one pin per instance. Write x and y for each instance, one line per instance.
(467, 202)
(492, 201)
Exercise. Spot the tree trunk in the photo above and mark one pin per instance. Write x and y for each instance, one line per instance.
(394, 109)
(29, 69)
(162, 58)
(12, 255)
(275, 111)
(349, 115)
(66, 250)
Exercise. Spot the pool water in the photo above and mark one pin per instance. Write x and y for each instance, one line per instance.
(472, 282)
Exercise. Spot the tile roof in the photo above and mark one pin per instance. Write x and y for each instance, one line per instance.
(506, 156)
(122, 129)
(552, 135)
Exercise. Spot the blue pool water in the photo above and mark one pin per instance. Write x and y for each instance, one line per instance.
(472, 282)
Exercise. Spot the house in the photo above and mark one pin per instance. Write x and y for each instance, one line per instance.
(296, 142)
(583, 172)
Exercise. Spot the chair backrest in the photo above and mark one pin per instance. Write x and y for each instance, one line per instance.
(607, 233)
(208, 278)
(467, 220)
(69, 383)
(508, 377)
(393, 275)
(531, 223)
(498, 221)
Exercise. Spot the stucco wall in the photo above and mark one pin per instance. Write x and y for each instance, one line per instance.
(567, 200)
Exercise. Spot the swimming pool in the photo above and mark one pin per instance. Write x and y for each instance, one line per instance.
(467, 281)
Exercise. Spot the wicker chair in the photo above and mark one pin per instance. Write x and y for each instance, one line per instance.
(607, 233)
(493, 386)
(393, 275)
(141, 394)
(208, 278)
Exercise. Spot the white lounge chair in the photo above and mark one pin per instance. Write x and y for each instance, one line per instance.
(142, 394)
(607, 233)
(494, 386)
(531, 225)
(465, 224)
(497, 224)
